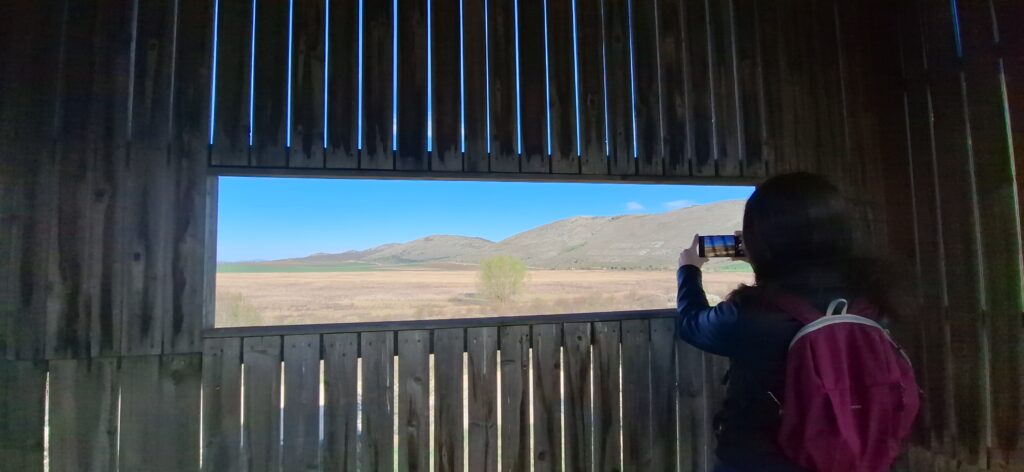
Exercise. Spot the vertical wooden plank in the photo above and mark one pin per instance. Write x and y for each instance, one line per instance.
(715, 370)
(301, 403)
(768, 48)
(376, 451)
(663, 394)
(270, 84)
(446, 91)
(998, 217)
(562, 93)
(222, 370)
(1012, 39)
(590, 60)
(159, 427)
(342, 146)
(412, 85)
(835, 120)
(501, 57)
(83, 415)
(515, 398)
(307, 94)
(607, 422)
(576, 415)
(476, 119)
(449, 346)
(699, 85)
(31, 67)
(341, 353)
(482, 350)
(83, 318)
(378, 86)
(232, 90)
(146, 182)
(261, 430)
(676, 127)
(619, 88)
(647, 80)
(725, 102)
(414, 400)
(547, 397)
(190, 153)
(636, 396)
(532, 82)
(753, 138)
(694, 444)
(960, 225)
(22, 410)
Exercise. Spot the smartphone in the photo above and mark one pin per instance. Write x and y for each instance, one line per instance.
(729, 245)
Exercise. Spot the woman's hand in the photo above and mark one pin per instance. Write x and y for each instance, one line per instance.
(691, 255)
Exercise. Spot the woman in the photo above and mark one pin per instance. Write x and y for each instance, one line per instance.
(799, 238)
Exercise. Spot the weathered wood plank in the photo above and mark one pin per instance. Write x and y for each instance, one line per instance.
(449, 346)
(376, 451)
(378, 93)
(190, 152)
(222, 370)
(501, 43)
(753, 136)
(715, 370)
(301, 423)
(231, 114)
(482, 350)
(619, 88)
(307, 81)
(145, 180)
(725, 102)
(446, 85)
(412, 86)
(475, 90)
(342, 146)
(532, 82)
(1005, 13)
(636, 396)
(515, 398)
(663, 394)
(270, 85)
(647, 81)
(562, 94)
(159, 414)
(22, 410)
(607, 422)
(414, 400)
(83, 415)
(693, 443)
(699, 86)
(590, 60)
(341, 355)
(84, 318)
(677, 128)
(261, 430)
(547, 397)
(576, 415)
(769, 48)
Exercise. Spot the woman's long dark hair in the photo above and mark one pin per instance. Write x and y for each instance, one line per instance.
(802, 238)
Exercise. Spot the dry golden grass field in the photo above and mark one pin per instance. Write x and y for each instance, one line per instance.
(251, 299)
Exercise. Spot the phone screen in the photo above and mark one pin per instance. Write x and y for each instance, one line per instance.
(721, 246)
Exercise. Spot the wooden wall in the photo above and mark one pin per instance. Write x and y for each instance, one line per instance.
(105, 148)
(961, 108)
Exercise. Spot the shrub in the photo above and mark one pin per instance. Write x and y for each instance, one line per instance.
(501, 278)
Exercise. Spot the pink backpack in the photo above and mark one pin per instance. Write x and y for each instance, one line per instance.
(850, 397)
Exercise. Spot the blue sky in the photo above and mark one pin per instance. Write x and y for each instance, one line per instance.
(274, 218)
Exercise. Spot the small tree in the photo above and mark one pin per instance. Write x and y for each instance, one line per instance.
(501, 278)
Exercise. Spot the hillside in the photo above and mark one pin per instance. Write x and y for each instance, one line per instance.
(642, 241)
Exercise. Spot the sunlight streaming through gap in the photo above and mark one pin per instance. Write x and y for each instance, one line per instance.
(213, 76)
(547, 76)
(956, 28)
(604, 81)
(394, 75)
(632, 75)
(462, 83)
(576, 78)
(430, 81)
(288, 113)
(359, 98)
(252, 69)
(327, 65)
(519, 118)
(487, 75)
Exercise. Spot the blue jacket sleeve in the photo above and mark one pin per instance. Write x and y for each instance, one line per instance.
(711, 329)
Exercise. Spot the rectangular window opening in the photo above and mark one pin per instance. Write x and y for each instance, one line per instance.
(309, 251)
